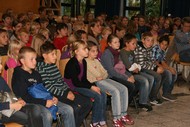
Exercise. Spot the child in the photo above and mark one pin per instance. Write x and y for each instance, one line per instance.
(23, 36)
(46, 33)
(61, 39)
(110, 59)
(98, 75)
(24, 76)
(145, 80)
(103, 42)
(159, 52)
(75, 75)
(120, 32)
(3, 42)
(12, 61)
(55, 84)
(16, 27)
(143, 56)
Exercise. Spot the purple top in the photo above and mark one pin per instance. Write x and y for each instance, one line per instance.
(81, 71)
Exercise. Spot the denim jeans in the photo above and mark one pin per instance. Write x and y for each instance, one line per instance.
(129, 85)
(99, 104)
(144, 83)
(156, 85)
(119, 96)
(168, 80)
(67, 114)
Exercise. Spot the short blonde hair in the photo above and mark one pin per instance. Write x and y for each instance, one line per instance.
(105, 29)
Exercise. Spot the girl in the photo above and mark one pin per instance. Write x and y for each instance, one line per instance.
(120, 32)
(12, 61)
(110, 60)
(98, 75)
(78, 78)
(145, 81)
(45, 32)
(16, 27)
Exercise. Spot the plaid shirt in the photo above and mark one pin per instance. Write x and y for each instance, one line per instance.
(158, 54)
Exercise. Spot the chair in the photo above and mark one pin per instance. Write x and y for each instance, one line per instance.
(62, 65)
(176, 62)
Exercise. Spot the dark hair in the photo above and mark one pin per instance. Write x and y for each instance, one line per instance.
(61, 26)
(92, 24)
(15, 23)
(111, 37)
(5, 15)
(78, 34)
(128, 37)
(186, 20)
(2, 31)
(91, 44)
(24, 50)
(47, 48)
(164, 38)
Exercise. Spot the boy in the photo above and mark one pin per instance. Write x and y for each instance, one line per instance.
(61, 39)
(25, 76)
(159, 52)
(55, 84)
(143, 56)
(3, 42)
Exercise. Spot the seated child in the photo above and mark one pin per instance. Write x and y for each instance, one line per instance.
(3, 42)
(53, 81)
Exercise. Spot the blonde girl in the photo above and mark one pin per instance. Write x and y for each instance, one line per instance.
(13, 50)
(77, 78)
(46, 33)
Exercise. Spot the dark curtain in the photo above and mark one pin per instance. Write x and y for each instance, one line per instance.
(178, 8)
(110, 7)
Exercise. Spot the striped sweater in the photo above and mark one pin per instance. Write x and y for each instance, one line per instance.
(52, 79)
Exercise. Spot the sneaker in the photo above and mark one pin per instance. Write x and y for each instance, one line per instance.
(118, 123)
(169, 97)
(146, 107)
(157, 102)
(127, 120)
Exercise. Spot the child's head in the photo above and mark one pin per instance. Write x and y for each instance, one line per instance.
(94, 28)
(80, 49)
(113, 41)
(62, 29)
(17, 25)
(44, 22)
(7, 20)
(23, 35)
(35, 26)
(147, 39)
(106, 32)
(164, 42)
(3, 37)
(93, 50)
(14, 47)
(26, 24)
(48, 52)
(130, 42)
(45, 32)
(81, 35)
(120, 31)
(37, 41)
(27, 57)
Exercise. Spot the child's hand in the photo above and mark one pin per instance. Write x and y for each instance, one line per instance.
(49, 103)
(70, 96)
(136, 71)
(99, 78)
(160, 70)
(96, 89)
(16, 106)
(131, 79)
(55, 100)
(21, 102)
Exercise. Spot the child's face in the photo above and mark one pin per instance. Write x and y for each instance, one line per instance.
(46, 35)
(44, 25)
(105, 36)
(8, 20)
(164, 45)
(63, 32)
(24, 37)
(18, 27)
(115, 44)
(84, 37)
(16, 50)
(82, 51)
(4, 38)
(120, 33)
(51, 57)
(97, 29)
(93, 52)
(132, 44)
(29, 61)
(27, 26)
(148, 42)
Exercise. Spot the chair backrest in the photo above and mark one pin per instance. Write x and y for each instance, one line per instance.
(62, 65)
(175, 58)
(3, 63)
(9, 77)
(58, 53)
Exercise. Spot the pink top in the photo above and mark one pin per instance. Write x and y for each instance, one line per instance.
(11, 63)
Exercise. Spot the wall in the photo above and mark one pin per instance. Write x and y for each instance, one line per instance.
(19, 6)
